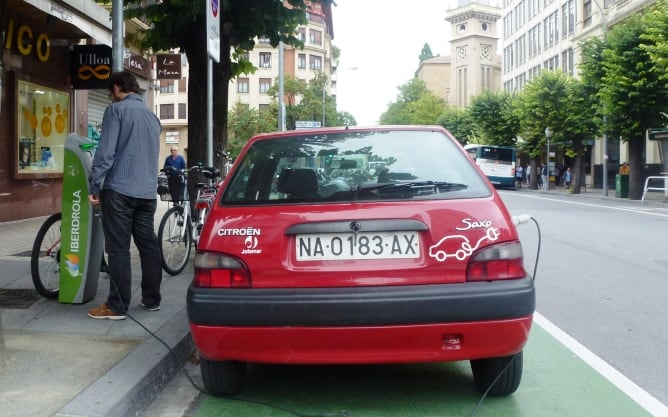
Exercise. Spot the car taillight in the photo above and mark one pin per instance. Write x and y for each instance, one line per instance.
(502, 261)
(213, 270)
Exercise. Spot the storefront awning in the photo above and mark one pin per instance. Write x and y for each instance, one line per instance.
(91, 19)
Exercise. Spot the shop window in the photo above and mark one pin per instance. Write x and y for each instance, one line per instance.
(42, 125)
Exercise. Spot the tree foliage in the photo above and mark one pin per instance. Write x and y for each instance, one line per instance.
(459, 122)
(628, 78)
(426, 52)
(414, 105)
(493, 115)
(181, 24)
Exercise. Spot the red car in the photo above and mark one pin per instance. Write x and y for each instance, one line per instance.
(359, 246)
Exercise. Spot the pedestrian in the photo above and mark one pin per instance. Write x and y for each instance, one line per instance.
(519, 173)
(543, 177)
(568, 177)
(123, 182)
(174, 160)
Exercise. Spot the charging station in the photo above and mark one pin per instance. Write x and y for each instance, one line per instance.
(82, 239)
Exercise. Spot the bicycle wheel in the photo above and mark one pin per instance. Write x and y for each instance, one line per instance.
(174, 234)
(45, 258)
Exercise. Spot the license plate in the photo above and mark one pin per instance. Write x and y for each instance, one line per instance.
(344, 246)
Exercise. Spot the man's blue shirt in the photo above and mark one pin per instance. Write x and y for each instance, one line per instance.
(176, 163)
(126, 159)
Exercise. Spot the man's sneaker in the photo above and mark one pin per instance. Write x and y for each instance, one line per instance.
(154, 307)
(104, 312)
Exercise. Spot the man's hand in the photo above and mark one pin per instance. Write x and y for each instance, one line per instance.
(94, 199)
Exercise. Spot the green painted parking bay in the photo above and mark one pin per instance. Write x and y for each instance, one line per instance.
(556, 382)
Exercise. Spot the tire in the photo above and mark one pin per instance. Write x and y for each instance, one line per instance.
(45, 258)
(222, 378)
(174, 249)
(485, 371)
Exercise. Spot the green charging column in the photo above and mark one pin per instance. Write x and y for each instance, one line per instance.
(81, 228)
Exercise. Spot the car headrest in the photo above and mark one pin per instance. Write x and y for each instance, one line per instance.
(297, 181)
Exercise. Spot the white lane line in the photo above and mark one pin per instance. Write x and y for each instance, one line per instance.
(642, 210)
(630, 388)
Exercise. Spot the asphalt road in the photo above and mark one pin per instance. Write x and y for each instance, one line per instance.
(601, 278)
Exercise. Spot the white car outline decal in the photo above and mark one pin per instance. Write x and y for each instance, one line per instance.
(465, 249)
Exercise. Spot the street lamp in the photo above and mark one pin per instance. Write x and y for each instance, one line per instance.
(548, 135)
(604, 140)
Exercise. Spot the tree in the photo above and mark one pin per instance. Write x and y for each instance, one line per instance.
(541, 104)
(426, 53)
(493, 115)
(458, 121)
(630, 86)
(415, 105)
(181, 24)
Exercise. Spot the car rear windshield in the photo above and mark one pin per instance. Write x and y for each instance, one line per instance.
(354, 166)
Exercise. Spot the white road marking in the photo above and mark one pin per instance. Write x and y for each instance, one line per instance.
(643, 210)
(639, 395)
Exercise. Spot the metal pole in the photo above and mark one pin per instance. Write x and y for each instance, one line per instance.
(548, 135)
(209, 111)
(117, 33)
(324, 89)
(604, 144)
(281, 91)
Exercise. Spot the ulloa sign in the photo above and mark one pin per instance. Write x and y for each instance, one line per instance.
(91, 66)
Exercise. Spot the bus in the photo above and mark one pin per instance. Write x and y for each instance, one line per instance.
(496, 162)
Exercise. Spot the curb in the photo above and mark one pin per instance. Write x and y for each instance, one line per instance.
(135, 382)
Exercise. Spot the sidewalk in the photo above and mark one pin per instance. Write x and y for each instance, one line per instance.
(57, 361)
(652, 198)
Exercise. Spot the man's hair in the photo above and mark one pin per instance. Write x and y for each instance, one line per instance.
(125, 80)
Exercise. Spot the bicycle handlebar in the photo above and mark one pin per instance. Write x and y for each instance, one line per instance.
(209, 172)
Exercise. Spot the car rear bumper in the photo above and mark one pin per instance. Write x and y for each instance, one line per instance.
(418, 323)
(362, 306)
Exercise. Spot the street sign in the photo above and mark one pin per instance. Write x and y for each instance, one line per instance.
(213, 29)
(306, 124)
(658, 133)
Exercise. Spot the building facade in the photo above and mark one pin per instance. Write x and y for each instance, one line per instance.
(54, 61)
(301, 64)
(545, 34)
(475, 63)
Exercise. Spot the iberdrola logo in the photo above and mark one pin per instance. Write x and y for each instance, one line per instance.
(72, 263)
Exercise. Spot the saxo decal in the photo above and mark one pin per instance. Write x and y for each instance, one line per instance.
(459, 246)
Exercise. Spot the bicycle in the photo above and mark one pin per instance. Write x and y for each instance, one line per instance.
(45, 258)
(181, 225)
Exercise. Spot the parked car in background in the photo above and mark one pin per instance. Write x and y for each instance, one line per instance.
(359, 246)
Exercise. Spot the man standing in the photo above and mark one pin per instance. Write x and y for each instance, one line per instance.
(175, 160)
(123, 182)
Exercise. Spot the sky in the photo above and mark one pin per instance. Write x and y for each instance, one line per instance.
(383, 39)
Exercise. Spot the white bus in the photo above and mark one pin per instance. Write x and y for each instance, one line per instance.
(496, 162)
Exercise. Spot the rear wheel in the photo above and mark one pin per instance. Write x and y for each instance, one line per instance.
(504, 372)
(222, 378)
(45, 258)
(175, 239)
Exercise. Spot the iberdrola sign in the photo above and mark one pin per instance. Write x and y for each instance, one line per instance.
(81, 235)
